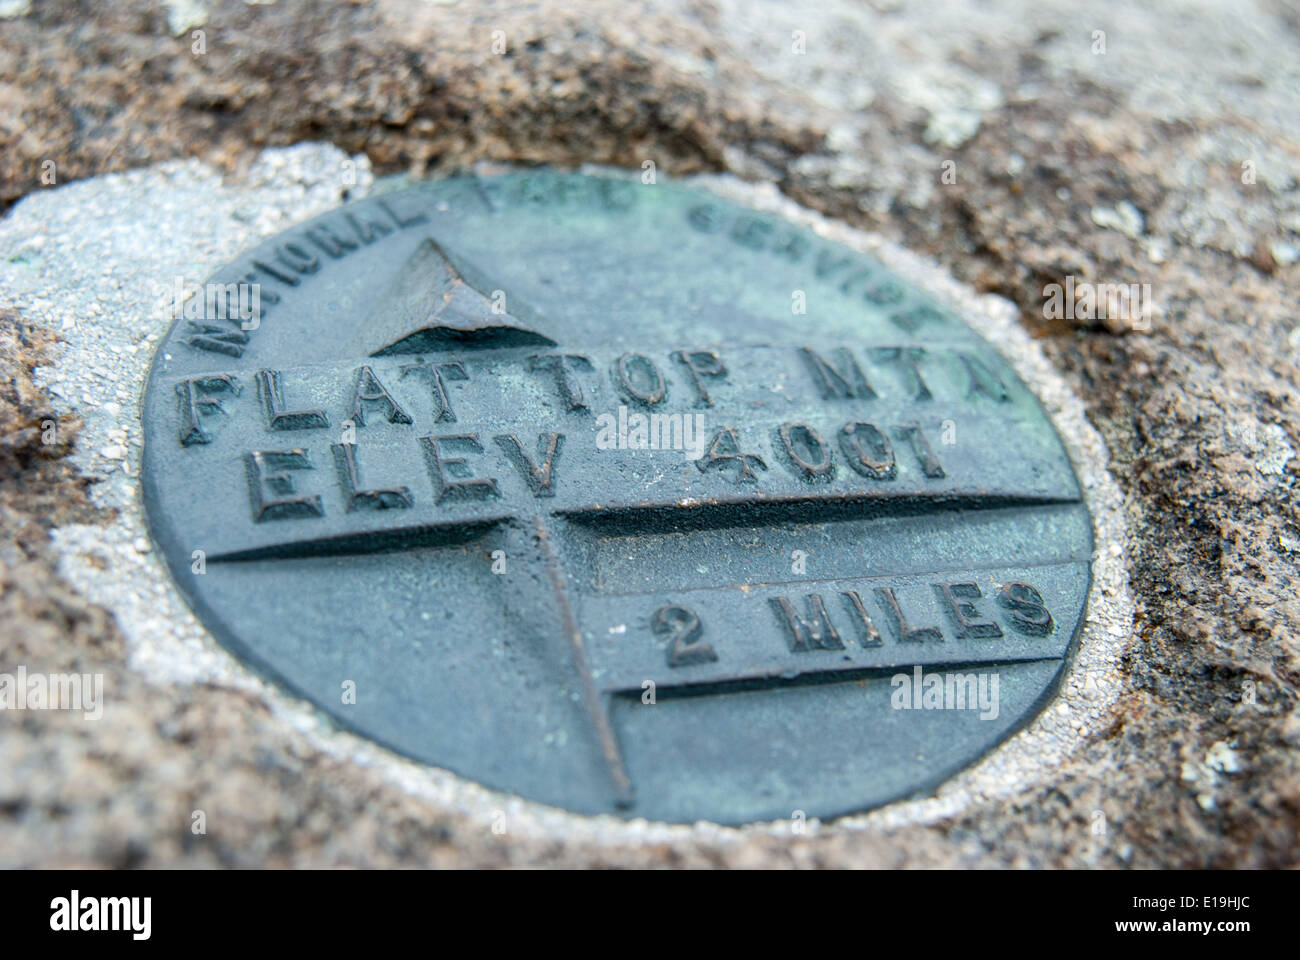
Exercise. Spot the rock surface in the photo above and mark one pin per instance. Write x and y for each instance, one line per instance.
(1169, 159)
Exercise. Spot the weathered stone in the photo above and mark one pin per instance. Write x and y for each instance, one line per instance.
(1199, 411)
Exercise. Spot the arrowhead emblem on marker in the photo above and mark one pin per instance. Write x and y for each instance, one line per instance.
(433, 306)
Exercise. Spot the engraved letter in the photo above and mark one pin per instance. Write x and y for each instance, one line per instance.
(817, 633)
(870, 635)
(297, 257)
(370, 390)
(280, 418)
(921, 447)
(194, 393)
(440, 468)
(726, 449)
(215, 338)
(274, 496)
(908, 359)
(564, 364)
(838, 383)
(1028, 612)
(540, 480)
(324, 237)
(904, 632)
(702, 363)
(798, 439)
(367, 226)
(959, 598)
(983, 380)
(868, 451)
(656, 387)
(345, 455)
(441, 405)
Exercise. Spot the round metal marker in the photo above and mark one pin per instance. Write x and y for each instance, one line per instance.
(617, 497)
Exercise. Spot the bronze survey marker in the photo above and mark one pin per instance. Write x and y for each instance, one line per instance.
(618, 497)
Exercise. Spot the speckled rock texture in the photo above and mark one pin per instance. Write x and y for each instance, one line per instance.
(1015, 143)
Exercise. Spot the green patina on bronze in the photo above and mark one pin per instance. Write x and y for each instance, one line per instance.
(618, 497)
